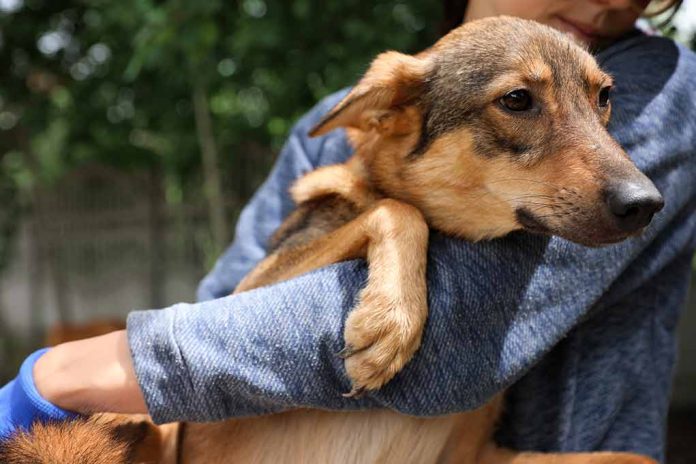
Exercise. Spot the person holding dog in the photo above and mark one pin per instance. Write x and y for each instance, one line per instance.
(585, 335)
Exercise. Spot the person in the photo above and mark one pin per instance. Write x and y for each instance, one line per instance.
(583, 338)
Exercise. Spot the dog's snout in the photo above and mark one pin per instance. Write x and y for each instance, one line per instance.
(633, 204)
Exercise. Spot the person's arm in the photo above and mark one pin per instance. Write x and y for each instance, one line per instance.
(495, 308)
(92, 375)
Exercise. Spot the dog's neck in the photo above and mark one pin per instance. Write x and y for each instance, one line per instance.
(451, 196)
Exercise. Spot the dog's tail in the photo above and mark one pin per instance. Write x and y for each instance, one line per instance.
(495, 455)
(99, 439)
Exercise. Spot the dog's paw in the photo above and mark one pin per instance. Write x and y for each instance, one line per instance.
(382, 334)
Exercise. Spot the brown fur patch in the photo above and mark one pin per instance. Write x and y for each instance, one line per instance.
(348, 181)
(100, 439)
(312, 220)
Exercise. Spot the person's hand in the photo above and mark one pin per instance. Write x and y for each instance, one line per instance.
(21, 404)
(91, 375)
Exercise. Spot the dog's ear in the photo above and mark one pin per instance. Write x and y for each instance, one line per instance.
(393, 80)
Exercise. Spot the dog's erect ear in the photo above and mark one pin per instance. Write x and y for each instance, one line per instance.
(394, 79)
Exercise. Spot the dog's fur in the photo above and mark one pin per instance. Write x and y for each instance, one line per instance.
(435, 146)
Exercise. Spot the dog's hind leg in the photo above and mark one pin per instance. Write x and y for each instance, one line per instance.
(384, 330)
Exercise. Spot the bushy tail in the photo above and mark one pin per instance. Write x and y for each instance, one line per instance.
(99, 439)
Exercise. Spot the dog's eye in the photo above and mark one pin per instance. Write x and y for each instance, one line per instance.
(517, 100)
(603, 98)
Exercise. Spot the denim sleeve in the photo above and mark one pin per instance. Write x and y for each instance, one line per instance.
(495, 308)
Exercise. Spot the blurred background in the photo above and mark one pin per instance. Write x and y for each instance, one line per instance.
(133, 131)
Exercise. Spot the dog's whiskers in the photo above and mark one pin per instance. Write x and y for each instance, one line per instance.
(524, 200)
(535, 181)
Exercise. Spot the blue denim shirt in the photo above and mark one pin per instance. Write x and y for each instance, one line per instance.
(584, 339)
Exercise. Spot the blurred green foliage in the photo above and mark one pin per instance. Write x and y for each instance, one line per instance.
(87, 81)
(111, 82)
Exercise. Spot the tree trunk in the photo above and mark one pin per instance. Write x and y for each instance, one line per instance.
(56, 271)
(157, 239)
(35, 275)
(211, 169)
(36, 246)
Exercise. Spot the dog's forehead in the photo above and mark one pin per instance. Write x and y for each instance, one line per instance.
(476, 56)
(566, 62)
(470, 62)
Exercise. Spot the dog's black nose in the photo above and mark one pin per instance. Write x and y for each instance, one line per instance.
(633, 204)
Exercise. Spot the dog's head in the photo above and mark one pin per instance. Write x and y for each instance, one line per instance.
(499, 126)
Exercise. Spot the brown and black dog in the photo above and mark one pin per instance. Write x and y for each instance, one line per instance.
(499, 126)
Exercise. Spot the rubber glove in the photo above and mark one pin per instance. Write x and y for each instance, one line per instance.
(21, 404)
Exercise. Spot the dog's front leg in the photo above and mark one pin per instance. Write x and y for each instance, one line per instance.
(384, 330)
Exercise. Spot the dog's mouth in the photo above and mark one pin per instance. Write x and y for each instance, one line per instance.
(530, 222)
(587, 236)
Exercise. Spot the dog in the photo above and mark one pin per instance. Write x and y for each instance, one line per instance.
(500, 126)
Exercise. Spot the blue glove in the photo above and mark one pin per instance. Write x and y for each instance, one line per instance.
(20, 402)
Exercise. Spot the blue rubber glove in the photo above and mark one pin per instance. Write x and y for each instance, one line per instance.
(20, 402)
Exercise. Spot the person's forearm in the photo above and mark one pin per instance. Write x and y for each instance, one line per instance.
(274, 348)
(92, 375)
